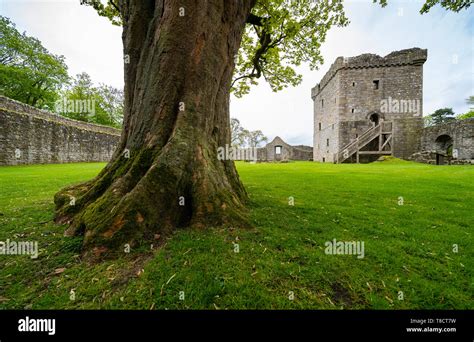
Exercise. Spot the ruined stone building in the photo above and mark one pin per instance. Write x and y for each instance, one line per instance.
(368, 106)
(279, 150)
(448, 143)
(275, 151)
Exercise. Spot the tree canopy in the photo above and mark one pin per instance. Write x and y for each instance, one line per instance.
(242, 138)
(28, 71)
(84, 101)
(440, 116)
(470, 114)
(281, 35)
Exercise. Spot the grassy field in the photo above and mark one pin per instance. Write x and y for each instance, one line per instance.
(408, 215)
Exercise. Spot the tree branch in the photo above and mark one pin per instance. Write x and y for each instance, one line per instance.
(252, 75)
(265, 41)
(116, 7)
(255, 20)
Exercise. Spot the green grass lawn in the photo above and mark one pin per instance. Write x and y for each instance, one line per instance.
(281, 263)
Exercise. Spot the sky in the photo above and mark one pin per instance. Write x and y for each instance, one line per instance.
(92, 44)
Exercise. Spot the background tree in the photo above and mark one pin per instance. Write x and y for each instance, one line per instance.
(241, 137)
(32, 75)
(440, 116)
(470, 114)
(85, 102)
(77, 98)
(470, 101)
(180, 66)
(29, 72)
(255, 138)
(110, 104)
(237, 133)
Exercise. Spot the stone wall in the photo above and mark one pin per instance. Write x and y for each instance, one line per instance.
(326, 119)
(461, 134)
(32, 136)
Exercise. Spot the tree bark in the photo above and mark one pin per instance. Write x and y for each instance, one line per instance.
(165, 172)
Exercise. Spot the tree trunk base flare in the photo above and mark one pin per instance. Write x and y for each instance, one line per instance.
(165, 173)
(150, 195)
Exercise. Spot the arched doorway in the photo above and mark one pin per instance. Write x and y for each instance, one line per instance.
(444, 148)
(444, 144)
(375, 118)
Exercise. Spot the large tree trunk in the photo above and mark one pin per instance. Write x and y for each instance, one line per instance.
(165, 172)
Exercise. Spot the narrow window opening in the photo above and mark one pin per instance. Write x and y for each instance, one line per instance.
(327, 142)
(277, 149)
(376, 84)
(320, 126)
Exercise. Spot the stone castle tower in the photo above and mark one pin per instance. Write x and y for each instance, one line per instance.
(368, 106)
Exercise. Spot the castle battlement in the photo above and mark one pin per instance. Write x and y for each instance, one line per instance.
(413, 56)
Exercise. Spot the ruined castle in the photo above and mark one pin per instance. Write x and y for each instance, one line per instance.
(368, 106)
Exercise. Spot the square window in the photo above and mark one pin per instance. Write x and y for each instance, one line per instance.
(277, 149)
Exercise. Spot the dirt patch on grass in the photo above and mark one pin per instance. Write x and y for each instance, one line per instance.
(133, 270)
(341, 295)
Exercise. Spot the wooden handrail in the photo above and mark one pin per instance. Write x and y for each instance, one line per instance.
(361, 141)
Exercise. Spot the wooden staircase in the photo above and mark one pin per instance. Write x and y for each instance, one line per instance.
(383, 131)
